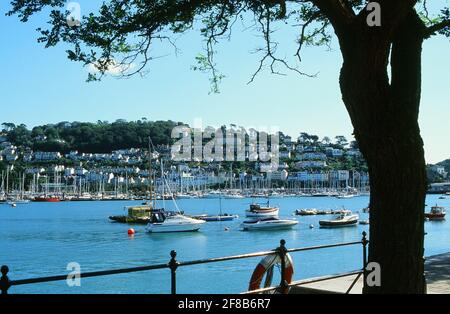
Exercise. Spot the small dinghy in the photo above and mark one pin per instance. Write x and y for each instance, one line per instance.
(268, 224)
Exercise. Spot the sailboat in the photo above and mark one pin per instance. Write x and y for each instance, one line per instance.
(162, 221)
(220, 217)
(140, 214)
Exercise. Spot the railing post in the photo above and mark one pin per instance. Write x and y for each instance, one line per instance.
(425, 283)
(4, 280)
(282, 251)
(365, 242)
(173, 265)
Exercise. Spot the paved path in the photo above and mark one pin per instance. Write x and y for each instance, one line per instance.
(437, 272)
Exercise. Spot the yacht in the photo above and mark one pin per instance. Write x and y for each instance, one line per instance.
(169, 222)
(268, 224)
(345, 219)
(257, 211)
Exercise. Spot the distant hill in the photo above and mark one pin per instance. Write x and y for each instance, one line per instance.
(100, 137)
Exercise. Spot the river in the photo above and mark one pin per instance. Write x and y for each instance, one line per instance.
(40, 239)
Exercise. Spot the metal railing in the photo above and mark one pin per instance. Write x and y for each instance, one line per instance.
(174, 265)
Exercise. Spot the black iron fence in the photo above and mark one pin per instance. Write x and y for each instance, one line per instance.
(174, 266)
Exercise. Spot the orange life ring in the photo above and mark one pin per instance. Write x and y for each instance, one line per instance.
(266, 266)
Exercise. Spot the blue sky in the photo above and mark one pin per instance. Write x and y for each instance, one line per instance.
(41, 86)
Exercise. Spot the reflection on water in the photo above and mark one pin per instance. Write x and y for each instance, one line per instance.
(40, 239)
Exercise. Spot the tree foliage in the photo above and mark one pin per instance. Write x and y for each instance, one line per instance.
(121, 34)
(100, 137)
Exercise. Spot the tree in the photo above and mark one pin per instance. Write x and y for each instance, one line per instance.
(7, 126)
(326, 140)
(373, 38)
(341, 141)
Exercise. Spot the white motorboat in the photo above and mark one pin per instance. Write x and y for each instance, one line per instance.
(345, 219)
(257, 211)
(268, 224)
(165, 222)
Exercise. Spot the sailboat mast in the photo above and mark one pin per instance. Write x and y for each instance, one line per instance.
(150, 171)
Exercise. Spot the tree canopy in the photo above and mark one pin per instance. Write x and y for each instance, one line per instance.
(100, 137)
(120, 35)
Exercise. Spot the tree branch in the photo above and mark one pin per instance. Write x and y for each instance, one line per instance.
(433, 29)
(337, 11)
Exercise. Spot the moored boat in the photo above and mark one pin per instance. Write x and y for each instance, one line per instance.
(258, 211)
(136, 215)
(268, 224)
(48, 199)
(18, 202)
(345, 219)
(170, 222)
(306, 212)
(346, 196)
(436, 213)
(214, 218)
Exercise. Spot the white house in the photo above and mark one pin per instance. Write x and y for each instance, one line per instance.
(278, 175)
(47, 156)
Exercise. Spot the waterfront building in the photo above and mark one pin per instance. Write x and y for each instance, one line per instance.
(443, 187)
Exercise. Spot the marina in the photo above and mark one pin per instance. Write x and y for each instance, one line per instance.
(40, 239)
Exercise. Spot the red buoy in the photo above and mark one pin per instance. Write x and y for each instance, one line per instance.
(131, 232)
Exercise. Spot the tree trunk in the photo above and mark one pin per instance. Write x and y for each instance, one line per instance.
(384, 114)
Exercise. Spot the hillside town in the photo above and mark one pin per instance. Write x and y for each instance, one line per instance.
(306, 165)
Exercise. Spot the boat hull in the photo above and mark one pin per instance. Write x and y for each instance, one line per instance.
(338, 224)
(435, 216)
(173, 228)
(47, 199)
(281, 225)
(218, 218)
(128, 220)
